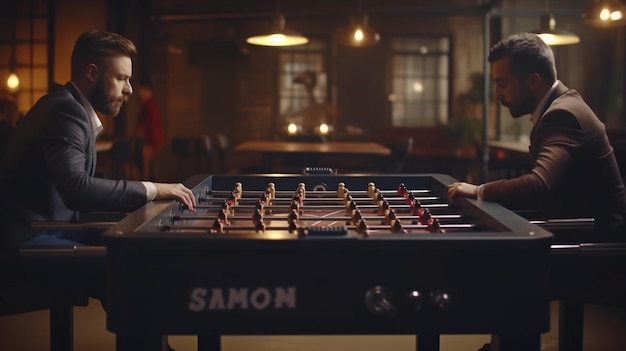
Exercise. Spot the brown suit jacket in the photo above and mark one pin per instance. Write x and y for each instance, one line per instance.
(574, 173)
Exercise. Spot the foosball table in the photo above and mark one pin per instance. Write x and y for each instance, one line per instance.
(326, 254)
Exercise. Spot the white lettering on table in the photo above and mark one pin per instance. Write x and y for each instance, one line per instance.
(259, 299)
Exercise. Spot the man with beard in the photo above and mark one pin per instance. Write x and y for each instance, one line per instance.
(574, 171)
(47, 173)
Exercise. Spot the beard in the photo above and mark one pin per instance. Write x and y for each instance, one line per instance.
(104, 102)
(523, 108)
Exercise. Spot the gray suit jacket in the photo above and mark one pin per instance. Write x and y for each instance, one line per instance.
(574, 174)
(47, 172)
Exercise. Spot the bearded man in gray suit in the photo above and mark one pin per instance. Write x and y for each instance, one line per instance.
(47, 173)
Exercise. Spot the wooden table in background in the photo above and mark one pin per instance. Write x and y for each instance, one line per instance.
(508, 159)
(312, 151)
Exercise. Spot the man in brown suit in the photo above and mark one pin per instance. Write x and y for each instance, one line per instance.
(574, 171)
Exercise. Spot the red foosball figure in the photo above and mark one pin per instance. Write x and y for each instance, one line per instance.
(402, 190)
(426, 217)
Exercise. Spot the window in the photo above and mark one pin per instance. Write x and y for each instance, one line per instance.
(24, 39)
(295, 63)
(420, 81)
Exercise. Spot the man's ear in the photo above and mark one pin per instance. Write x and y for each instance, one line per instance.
(92, 72)
(533, 80)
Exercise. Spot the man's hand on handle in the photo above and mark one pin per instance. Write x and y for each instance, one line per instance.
(462, 189)
(176, 191)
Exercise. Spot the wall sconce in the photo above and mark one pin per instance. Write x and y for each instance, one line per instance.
(279, 36)
(605, 13)
(553, 36)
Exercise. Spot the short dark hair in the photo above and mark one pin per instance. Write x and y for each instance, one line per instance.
(528, 54)
(95, 45)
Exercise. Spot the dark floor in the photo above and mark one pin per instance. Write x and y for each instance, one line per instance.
(604, 331)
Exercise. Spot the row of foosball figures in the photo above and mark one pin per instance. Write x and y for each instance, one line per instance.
(263, 208)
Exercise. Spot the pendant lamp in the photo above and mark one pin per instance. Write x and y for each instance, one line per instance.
(553, 36)
(278, 36)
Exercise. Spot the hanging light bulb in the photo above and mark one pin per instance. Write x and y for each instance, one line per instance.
(13, 83)
(605, 13)
(359, 33)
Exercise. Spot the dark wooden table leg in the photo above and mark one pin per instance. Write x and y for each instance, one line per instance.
(428, 342)
(142, 342)
(517, 342)
(571, 325)
(209, 342)
(62, 327)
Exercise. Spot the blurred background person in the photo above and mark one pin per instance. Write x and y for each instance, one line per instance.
(149, 131)
(315, 113)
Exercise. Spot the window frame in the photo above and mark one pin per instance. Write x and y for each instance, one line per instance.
(439, 120)
(296, 93)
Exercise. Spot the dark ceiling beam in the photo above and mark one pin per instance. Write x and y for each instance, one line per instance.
(425, 11)
(490, 7)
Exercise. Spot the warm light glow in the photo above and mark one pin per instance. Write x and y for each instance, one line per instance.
(292, 128)
(556, 39)
(608, 15)
(418, 87)
(358, 35)
(553, 36)
(616, 15)
(279, 36)
(13, 83)
(324, 128)
(277, 39)
(605, 13)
